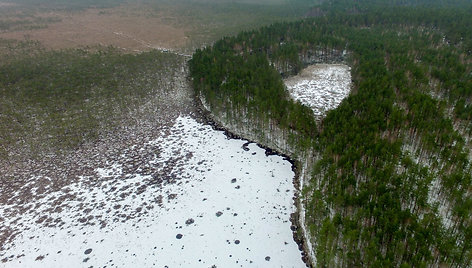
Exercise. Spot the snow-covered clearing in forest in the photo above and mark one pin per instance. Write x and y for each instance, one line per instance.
(321, 87)
(203, 200)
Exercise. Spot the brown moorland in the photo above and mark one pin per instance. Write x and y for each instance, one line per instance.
(130, 28)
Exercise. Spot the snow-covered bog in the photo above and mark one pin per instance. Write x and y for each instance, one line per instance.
(203, 200)
(321, 87)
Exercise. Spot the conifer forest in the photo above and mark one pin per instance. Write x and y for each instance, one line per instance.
(389, 174)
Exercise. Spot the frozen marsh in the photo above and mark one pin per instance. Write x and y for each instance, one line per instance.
(202, 200)
(321, 87)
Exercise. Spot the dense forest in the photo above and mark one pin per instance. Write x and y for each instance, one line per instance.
(389, 180)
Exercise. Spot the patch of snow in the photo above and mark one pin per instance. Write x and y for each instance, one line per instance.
(444, 208)
(302, 212)
(321, 87)
(412, 148)
(209, 201)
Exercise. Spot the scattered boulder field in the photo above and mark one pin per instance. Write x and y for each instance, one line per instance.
(201, 200)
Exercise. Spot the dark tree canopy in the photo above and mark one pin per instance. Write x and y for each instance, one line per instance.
(391, 183)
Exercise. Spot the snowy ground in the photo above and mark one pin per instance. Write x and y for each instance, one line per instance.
(321, 87)
(200, 200)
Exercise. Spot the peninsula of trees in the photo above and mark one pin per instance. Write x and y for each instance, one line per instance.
(389, 184)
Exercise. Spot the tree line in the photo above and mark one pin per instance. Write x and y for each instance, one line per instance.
(391, 181)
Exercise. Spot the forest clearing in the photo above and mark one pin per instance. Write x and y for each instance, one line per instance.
(321, 87)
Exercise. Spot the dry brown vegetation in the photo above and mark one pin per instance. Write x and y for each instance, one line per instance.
(138, 26)
(130, 28)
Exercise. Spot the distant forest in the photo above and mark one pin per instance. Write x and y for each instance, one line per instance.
(390, 175)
